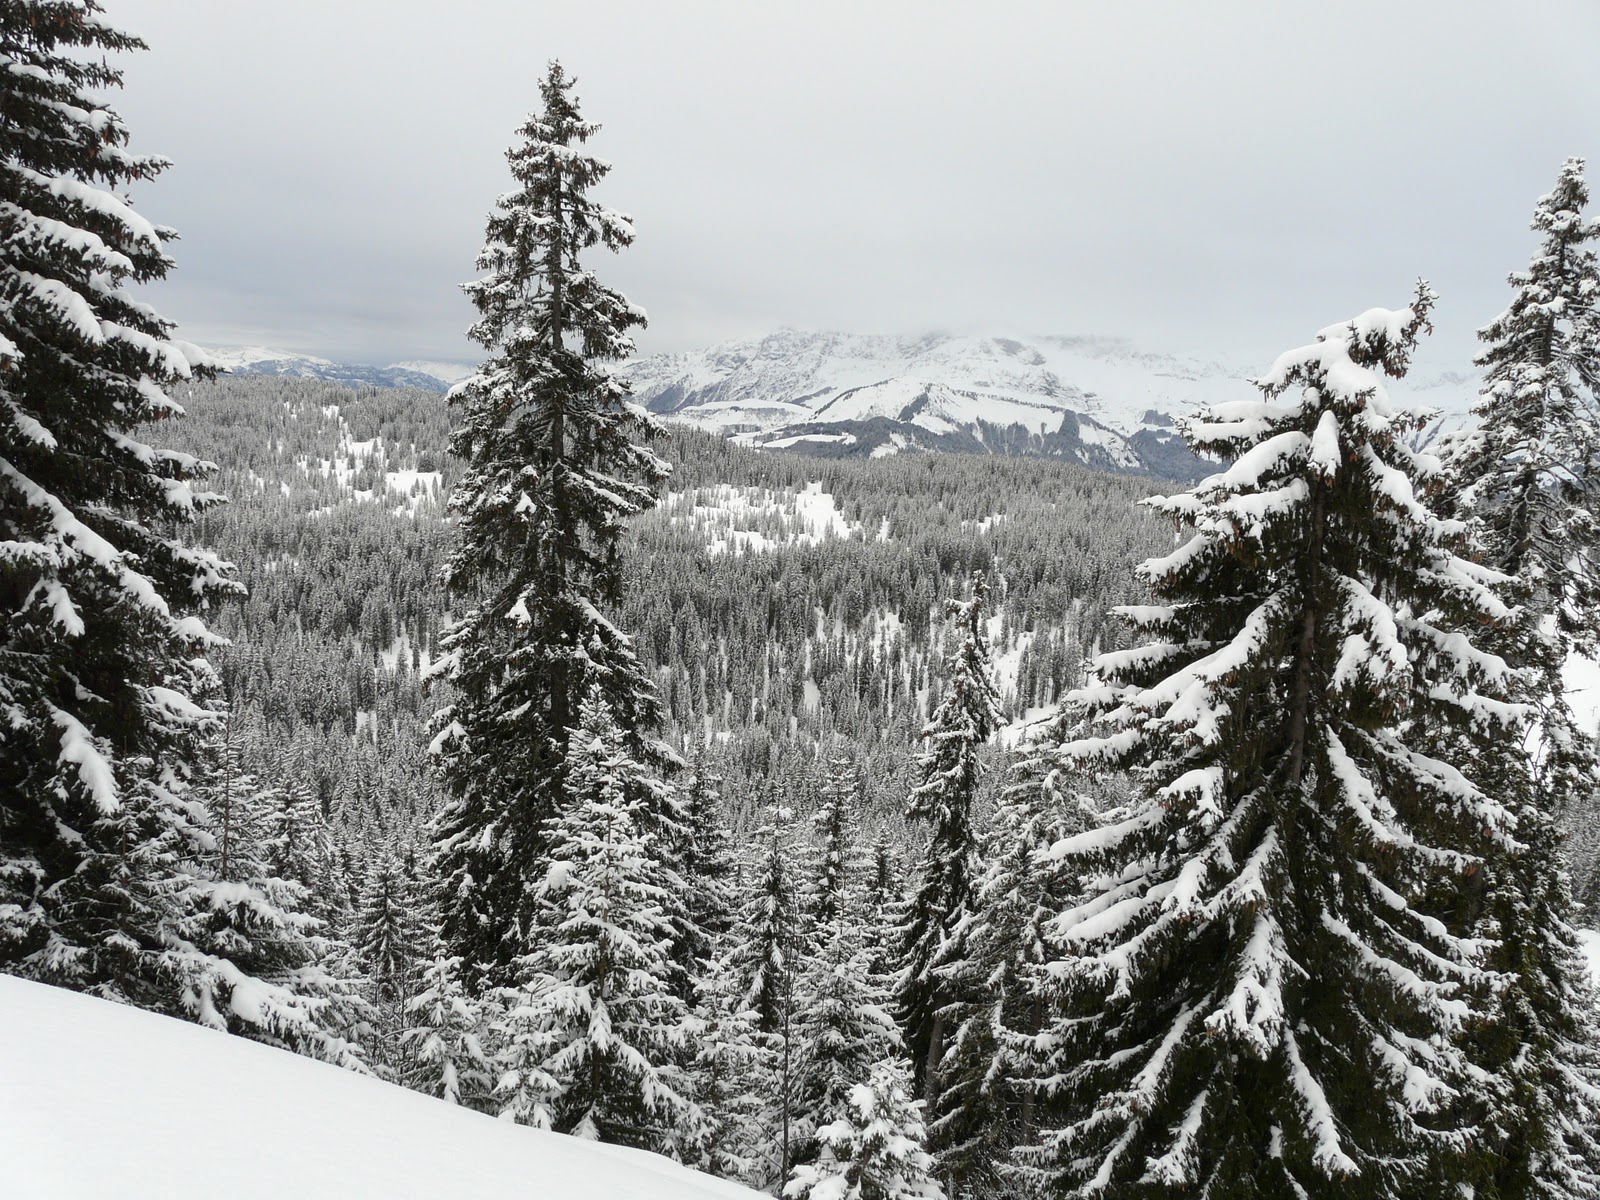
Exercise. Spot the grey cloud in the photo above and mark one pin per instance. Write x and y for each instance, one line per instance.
(1228, 175)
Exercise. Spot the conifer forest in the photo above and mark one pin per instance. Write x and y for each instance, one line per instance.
(847, 793)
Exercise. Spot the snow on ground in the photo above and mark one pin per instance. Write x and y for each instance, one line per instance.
(100, 1100)
(846, 439)
(444, 372)
(748, 520)
(400, 649)
(1582, 677)
(1007, 662)
(416, 486)
(231, 358)
(894, 445)
(1589, 943)
(1031, 724)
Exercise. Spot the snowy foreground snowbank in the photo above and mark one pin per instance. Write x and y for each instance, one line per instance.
(99, 1100)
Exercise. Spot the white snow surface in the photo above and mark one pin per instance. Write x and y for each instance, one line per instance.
(1589, 943)
(742, 520)
(1582, 678)
(99, 1100)
(231, 358)
(444, 372)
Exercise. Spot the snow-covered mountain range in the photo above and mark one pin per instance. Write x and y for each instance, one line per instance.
(1103, 402)
(265, 360)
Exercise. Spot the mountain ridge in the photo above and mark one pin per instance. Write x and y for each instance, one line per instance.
(268, 360)
(1103, 402)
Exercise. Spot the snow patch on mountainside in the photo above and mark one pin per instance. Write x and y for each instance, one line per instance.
(445, 372)
(265, 360)
(1100, 401)
(747, 520)
(238, 358)
(100, 1100)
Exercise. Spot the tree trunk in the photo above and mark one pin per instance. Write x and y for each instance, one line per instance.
(930, 1066)
(1306, 643)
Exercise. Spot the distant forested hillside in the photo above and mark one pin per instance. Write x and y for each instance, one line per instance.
(781, 601)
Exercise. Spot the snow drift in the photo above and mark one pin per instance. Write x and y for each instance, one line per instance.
(101, 1100)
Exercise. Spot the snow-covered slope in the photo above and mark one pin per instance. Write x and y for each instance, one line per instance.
(98, 1100)
(445, 372)
(242, 359)
(1100, 401)
(266, 360)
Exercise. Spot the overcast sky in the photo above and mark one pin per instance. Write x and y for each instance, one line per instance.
(1196, 176)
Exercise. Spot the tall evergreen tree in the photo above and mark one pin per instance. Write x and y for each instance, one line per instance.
(599, 975)
(263, 964)
(769, 925)
(391, 935)
(832, 890)
(995, 1053)
(1524, 481)
(1265, 986)
(103, 842)
(706, 866)
(950, 770)
(764, 959)
(730, 1065)
(1527, 480)
(295, 840)
(552, 474)
(842, 1028)
(883, 905)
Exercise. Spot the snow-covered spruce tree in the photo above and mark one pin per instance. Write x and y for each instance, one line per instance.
(390, 937)
(1527, 480)
(705, 863)
(1264, 987)
(730, 1066)
(599, 974)
(994, 1053)
(523, 1089)
(295, 841)
(1525, 475)
(883, 905)
(1524, 482)
(99, 632)
(764, 958)
(443, 1038)
(876, 1151)
(553, 472)
(949, 773)
(842, 1028)
(769, 923)
(390, 928)
(261, 963)
(836, 866)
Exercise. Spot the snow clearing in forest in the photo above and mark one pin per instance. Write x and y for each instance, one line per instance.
(747, 520)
